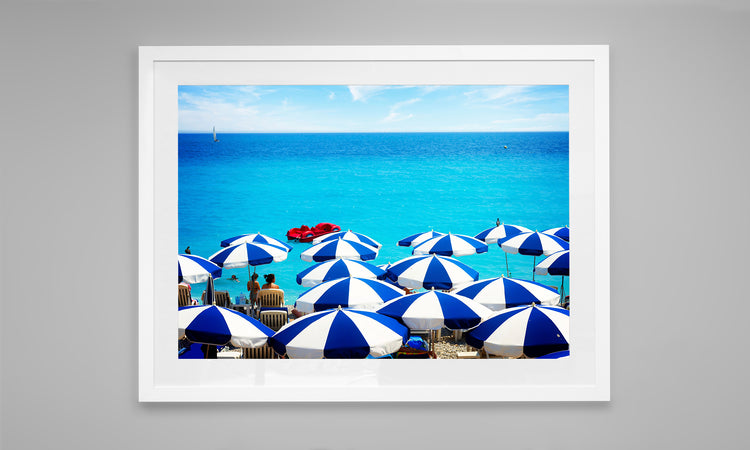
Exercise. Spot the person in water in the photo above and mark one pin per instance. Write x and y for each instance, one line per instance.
(497, 222)
(253, 287)
(270, 282)
(187, 250)
(234, 278)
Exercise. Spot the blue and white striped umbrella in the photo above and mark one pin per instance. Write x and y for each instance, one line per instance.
(502, 293)
(529, 331)
(255, 238)
(215, 325)
(431, 272)
(194, 269)
(339, 333)
(339, 248)
(556, 355)
(561, 232)
(557, 263)
(348, 236)
(450, 245)
(535, 244)
(416, 239)
(347, 293)
(500, 232)
(338, 268)
(246, 254)
(434, 310)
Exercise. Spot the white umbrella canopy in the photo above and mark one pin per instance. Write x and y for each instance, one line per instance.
(434, 310)
(214, 325)
(502, 293)
(195, 269)
(416, 239)
(337, 249)
(431, 271)
(450, 245)
(534, 244)
(529, 331)
(338, 268)
(255, 238)
(348, 236)
(348, 292)
(339, 333)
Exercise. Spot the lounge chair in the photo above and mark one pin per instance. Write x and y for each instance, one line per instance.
(183, 296)
(264, 352)
(221, 298)
(271, 299)
(274, 319)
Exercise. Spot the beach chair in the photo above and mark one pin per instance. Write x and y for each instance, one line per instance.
(274, 319)
(221, 298)
(183, 296)
(270, 299)
(264, 352)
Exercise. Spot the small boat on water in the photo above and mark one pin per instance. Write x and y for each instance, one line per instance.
(307, 234)
(215, 140)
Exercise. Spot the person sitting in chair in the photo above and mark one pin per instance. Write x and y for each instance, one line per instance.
(270, 282)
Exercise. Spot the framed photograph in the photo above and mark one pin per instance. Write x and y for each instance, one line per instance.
(411, 208)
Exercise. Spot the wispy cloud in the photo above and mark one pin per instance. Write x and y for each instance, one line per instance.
(395, 115)
(332, 95)
(362, 93)
(495, 93)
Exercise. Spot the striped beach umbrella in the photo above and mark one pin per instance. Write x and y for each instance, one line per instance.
(450, 245)
(215, 325)
(194, 269)
(416, 239)
(339, 333)
(502, 293)
(561, 232)
(500, 232)
(434, 310)
(348, 236)
(347, 293)
(431, 272)
(255, 238)
(246, 254)
(534, 244)
(529, 331)
(339, 248)
(557, 263)
(338, 268)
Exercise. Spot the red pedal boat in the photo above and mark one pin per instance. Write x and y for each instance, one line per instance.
(299, 233)
(307, 234)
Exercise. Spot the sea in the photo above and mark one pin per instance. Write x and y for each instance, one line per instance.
(384, 185)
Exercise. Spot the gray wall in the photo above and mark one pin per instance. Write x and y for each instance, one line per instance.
(679, 157)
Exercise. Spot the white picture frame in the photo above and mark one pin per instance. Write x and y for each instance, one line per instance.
(585, 376)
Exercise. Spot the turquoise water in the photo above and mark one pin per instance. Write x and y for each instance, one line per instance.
(384, 185)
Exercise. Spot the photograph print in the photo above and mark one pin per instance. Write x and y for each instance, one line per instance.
(377, 222)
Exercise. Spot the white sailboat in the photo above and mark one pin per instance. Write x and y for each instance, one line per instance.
(215, 140)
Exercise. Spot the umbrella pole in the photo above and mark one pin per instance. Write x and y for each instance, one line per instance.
(533, 272)
(562, 290)
(507, 270)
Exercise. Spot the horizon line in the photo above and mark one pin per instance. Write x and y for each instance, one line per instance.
(373, 132)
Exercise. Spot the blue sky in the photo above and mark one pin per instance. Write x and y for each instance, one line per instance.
(291, 109)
